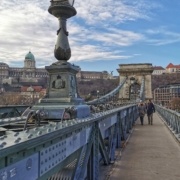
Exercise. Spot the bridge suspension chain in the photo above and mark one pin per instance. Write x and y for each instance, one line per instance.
(142, 95)
(108, 96)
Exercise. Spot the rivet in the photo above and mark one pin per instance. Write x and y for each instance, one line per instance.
(26, 131)
(39, 133)
(2, 144)
(35, 129)
(29, 136)
(48, 130)
(55, 128)
(3, 137)
(16, 134)
(17, 140)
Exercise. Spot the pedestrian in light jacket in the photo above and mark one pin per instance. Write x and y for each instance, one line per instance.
(142, 112)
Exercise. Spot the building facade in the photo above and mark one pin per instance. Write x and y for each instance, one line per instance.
(171, 68)
(164, 95)
(89, 75)
(28, 71)
(158, 70)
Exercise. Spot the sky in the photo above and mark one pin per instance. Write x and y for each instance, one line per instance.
(102, 35)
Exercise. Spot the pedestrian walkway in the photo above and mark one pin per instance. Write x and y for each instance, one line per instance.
(152, 153)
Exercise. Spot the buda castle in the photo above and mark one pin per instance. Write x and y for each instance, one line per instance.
(28, 72)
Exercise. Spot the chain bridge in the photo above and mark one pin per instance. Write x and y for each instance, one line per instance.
(62, 137)
(34, 147)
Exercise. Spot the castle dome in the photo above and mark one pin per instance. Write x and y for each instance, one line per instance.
(30, 56)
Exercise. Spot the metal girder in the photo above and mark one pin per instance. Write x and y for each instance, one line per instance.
(93, 164)
(119, 130)
(73, 147)
(103, 150)
(113, 143)
(11, 111)
(80, 171)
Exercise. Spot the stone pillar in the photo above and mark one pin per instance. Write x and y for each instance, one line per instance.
(138, 71)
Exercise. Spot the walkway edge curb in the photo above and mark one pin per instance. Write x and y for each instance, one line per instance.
(174, 135)
(119, 154)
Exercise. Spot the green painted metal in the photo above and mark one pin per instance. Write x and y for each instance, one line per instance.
(82, 139)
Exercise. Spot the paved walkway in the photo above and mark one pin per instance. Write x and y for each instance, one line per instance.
(152, 153)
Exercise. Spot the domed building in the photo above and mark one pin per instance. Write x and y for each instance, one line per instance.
(29, 61)
(25, 73)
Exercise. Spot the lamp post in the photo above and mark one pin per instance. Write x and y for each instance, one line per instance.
(97, 94)
(62, 9)
(132, 80)
(31, 90)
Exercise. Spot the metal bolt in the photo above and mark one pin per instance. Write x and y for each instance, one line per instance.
(16, 134)
(35, 129)
(29, 136)
(26, 131)
(48, 130)
(39, 133)
(3, 137)
(2, 144)
(55, 128)
(17, 140)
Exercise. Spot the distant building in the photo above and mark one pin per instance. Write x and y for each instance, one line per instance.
(32, 93)
(158, 70)
(89, 75)
(29, 70)
(29, 73)
(163, 95)
(171, 68)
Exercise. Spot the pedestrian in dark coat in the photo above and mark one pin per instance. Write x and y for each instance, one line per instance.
(150, 111)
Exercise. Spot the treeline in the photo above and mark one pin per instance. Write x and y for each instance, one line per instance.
(165, 79)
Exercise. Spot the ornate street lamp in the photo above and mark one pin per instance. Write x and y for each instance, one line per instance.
(97, 93)
(62, 86)
(132, 80)
(62, 9)
(71, 2)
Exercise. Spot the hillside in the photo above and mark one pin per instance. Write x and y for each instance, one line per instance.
(105, 86)
(165, 79)
(102, 85)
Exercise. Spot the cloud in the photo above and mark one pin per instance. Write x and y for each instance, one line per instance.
(117, 11)
(162, 36)
(95, 53)
(94, 31)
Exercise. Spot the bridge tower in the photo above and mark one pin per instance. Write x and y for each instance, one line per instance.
(135, 74)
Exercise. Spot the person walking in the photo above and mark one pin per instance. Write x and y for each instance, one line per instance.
(142, 112)
(150, 111)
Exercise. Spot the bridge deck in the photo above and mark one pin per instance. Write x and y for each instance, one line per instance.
(151, 153)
